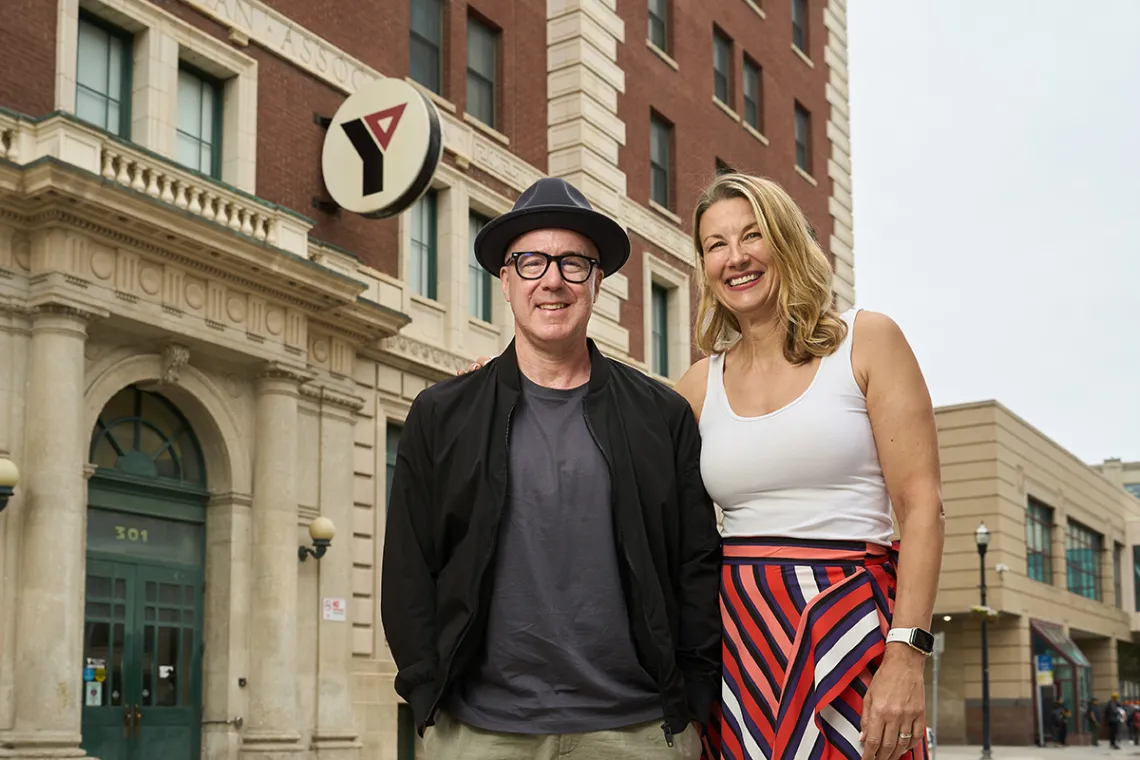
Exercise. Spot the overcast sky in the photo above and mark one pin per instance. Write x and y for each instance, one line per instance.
(997, 203)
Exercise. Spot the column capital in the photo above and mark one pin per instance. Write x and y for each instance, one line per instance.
(61, 307)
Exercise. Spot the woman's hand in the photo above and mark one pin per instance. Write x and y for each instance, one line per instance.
(895, 704)
(478, 364)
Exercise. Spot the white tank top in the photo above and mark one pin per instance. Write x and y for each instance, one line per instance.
(809, 470)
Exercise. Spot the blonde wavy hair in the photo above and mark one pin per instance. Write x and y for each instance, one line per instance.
(804, 301)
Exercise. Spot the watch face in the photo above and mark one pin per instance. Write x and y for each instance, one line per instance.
(923, 640)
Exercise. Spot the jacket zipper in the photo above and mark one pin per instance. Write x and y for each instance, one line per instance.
(482, 571)
(625, 552)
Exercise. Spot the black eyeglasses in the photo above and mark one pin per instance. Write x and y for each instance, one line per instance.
(532, 265)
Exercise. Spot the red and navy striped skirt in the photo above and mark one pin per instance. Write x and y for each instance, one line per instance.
(804, 629)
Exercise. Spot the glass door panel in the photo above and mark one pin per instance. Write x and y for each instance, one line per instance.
(170, 661)
(108, 638)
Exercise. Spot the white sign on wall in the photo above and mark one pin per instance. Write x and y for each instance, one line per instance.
(335, 610)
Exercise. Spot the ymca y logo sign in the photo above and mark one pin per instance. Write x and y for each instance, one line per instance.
(370, 135)
(382, 148)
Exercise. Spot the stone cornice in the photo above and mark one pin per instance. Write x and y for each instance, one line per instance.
(332, 396)
(275, 370)
(421, 356)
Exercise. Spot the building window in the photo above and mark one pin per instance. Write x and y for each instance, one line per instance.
(753, 95)
(660, 160)
(1082, 556)
(660, 330)
(1117, 556)
(803, 138)
(427, 43)
(1136, 577)
(103, 76)
(391, 448)
(800, 24)
(482, 67)
(199, 121)
(659, 24)
(1133, 488)
(722, 67)
(425, 248)
(480, 278)
(1039, 541)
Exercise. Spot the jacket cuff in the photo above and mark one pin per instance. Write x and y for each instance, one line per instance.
(420, 701)
(699, 694)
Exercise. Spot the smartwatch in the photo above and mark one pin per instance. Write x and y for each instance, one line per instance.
(916, 638)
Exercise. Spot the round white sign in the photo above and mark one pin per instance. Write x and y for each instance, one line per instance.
(382, 149)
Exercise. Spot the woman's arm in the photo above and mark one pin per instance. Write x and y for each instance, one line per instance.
(692, 386)
(906, 436)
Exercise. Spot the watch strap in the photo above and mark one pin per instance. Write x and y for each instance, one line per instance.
(909, 636)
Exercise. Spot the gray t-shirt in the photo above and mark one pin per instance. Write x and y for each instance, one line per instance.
(559, 656)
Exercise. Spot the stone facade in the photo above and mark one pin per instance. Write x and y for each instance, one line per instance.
(1037, 501)
(287, 334)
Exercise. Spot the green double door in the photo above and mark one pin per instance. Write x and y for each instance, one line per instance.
(142, 644)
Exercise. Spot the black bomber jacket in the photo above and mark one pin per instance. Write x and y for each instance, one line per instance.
(447, 497)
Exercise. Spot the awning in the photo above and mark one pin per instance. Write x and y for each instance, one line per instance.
(1054, 635)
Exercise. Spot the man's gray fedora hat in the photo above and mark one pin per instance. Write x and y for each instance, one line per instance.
(552, 203)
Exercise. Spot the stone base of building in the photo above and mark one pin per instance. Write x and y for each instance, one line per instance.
(1012, 722)
(39, 745)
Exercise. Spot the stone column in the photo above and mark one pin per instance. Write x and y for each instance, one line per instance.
(271, 726)
(49, 613)
(335, 735)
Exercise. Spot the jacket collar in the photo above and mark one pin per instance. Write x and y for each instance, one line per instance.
(509, 373)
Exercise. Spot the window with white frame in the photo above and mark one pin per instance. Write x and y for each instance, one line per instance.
(148, 102)
(659, 318)
(199, 131)
(103, 75)
(666, 311)
(423, 260)
(479, 285)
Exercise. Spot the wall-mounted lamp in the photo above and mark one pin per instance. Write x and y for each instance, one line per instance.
(321, 530)
(9, 477)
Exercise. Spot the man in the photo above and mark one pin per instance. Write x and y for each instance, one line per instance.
(1113, 718)
(551, 558)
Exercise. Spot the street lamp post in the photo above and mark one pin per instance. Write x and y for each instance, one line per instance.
(982, 538)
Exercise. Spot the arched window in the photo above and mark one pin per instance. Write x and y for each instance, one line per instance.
(142, 435)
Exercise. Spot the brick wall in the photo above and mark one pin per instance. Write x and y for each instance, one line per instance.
(27, 56)
(702, 131)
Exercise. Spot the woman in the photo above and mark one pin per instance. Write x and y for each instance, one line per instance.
(813, 425)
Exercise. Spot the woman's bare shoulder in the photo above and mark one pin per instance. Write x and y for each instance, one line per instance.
(693, 384)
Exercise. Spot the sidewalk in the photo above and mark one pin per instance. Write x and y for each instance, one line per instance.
(962, 752)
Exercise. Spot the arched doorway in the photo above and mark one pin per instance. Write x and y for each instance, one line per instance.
(143, 618)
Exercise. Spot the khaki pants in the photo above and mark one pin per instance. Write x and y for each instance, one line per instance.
(449, 739)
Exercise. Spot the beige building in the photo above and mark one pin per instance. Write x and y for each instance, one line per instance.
(1059, 572)
(199, 356)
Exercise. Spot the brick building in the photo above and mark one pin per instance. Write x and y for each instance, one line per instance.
(200, 355)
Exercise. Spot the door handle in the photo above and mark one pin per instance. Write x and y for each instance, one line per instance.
(138, 720)
(128, 721)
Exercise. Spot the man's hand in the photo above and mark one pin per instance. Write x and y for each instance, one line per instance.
(478, 364)
(894, 710)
